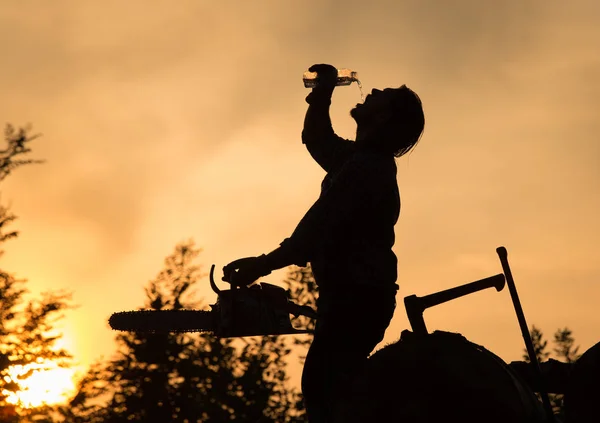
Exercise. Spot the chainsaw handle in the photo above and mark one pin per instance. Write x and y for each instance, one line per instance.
(213, 285)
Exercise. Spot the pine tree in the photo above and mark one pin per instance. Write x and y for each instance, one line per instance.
(190, 377)
(27, 327)
(564, 348)
(539, 345)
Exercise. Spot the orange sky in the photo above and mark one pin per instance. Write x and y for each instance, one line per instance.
(166, 122)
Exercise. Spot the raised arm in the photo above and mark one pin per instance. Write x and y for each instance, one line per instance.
(328, 149)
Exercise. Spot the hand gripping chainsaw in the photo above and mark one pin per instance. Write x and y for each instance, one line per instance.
(257, 310)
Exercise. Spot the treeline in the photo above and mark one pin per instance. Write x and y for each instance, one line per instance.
(177, 377)
(564, 350)
(188, 377)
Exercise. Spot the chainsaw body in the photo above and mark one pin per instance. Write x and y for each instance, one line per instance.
(260, 309)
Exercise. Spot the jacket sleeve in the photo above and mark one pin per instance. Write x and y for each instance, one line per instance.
(327, 149)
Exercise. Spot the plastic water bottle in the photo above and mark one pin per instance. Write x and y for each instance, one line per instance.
(344, 77)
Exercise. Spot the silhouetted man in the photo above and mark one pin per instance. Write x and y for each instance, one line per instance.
(347, 235)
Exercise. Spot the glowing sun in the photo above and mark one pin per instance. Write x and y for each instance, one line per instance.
(46, 384)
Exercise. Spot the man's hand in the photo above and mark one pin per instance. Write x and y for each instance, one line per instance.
(245, 271)
(326, 76)
(326, 80)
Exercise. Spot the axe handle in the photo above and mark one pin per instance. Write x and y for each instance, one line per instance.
(496, 281)
(415, 306)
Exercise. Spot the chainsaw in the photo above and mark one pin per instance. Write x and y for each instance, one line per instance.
(257, 310)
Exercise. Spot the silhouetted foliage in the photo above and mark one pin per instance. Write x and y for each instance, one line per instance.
(539, 345)
(27, 335)
(86, 406)
(564, 350)
(17, 145)
(190, 377)
(303, 290)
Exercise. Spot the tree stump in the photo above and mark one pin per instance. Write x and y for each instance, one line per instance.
(440, 377)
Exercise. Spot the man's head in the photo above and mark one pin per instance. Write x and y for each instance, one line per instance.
(390, 121)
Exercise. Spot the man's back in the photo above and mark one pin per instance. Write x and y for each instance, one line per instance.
(348, 233)
(358, 249)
